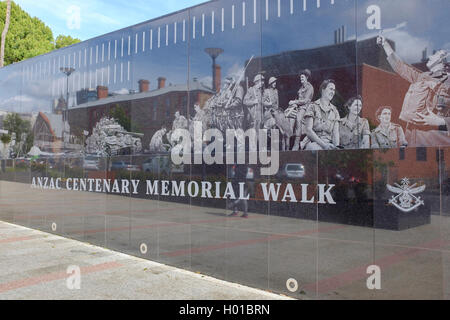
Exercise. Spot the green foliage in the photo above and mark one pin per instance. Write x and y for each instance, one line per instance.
(28, 36)
(37, 167)
(15, 124)
(5, 138)
(121, 117)
(62, 41)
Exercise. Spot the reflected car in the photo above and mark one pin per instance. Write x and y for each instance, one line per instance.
(292, 171)
(250, 174)
(124, 165)
(24, 161)
(91, 163)
(346, 178)
(74, 162)
(157, 165)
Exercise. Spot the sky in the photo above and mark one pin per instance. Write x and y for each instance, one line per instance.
(86, 19)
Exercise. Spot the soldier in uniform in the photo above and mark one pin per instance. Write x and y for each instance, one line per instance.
(426, 95)
(273, 116)
(387, 134)
(322, 121)
(156, 143)
(296, 110)
(354, 131)
(253, 102)
(200, 115)
(270, 103)
(233, 105)
(180, 122)
(220, 119)
(209, 109)
(270, 97)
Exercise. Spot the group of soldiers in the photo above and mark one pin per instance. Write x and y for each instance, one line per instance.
(258, 107)
(162, 140)
(316, 124)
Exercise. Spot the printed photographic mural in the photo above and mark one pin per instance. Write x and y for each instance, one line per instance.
(303, 68)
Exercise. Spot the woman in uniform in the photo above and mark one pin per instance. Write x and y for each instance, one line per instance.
(322, 120)
(297, 108)
(387, 134)
(354, 131)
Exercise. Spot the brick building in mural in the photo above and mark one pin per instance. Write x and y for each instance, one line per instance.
(147, 110)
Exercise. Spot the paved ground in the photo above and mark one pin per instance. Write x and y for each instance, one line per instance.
(326, 260)
(34, 265)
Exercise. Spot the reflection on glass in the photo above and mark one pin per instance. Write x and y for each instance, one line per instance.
(356, 104)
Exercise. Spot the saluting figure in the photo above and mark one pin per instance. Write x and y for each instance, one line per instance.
(387, 134)
(427, 101)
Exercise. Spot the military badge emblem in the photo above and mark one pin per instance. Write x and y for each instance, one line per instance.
(405, 200)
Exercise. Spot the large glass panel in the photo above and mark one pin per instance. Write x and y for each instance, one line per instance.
(298, 57)
(345, 227)
(407, 223)
(12, 103)
(398, 63)
(118, 203)
(77, 166)
(445, 221)
(158, 104)
(225, 39)
(293, 228)
(95, 211)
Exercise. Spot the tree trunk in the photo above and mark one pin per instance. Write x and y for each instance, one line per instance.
(5, 32)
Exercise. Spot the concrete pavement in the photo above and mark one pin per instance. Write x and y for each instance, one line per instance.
(34, 265)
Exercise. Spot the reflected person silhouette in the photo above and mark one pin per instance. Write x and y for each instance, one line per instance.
(240, 175)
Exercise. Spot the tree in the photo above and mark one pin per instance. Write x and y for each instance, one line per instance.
(118, 113)
(5, 138)
(5, 32)
(27, 37)
(15, 124)
(62, 41)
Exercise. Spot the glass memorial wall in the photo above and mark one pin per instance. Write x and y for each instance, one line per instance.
(297, 146)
